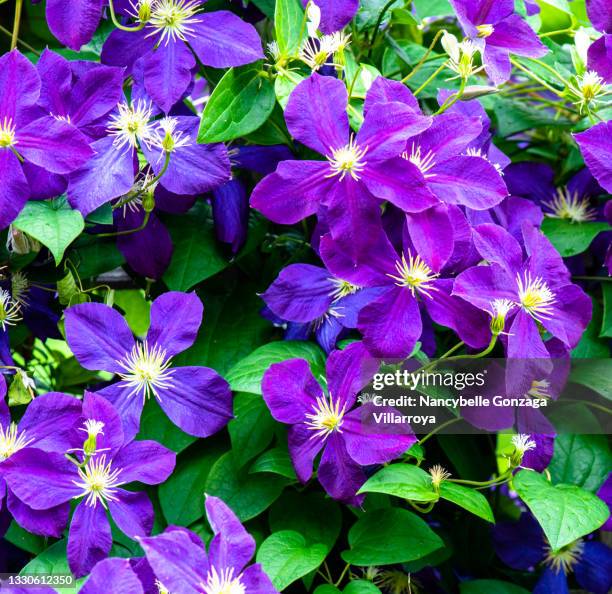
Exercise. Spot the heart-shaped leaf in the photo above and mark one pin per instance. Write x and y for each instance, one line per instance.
(402, 480)
(565, 512)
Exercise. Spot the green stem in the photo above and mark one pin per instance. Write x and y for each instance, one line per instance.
(16, 23)
(501, 478)
(346, 568)
(127, 231)
(151, 182)
(536, 78)
(558, 32)
(381, 16)
(550, 69)
(355, 113)
(440, 68)
(591, 404)
(26, 45)
(453, 98)
(422, 510)
(117, 24)
(601, 279)
(424, 57)
(438, 429)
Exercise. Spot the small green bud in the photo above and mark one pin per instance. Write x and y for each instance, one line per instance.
(148, 200)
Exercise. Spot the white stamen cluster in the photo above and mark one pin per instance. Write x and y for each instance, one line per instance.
(326, 417)
(485, 30)
(588, 90)
(523, 443)
(223, 582)
(348, 159)
(132, 125)
(173, 19)
(167, 138)
(415, 274)
(423, 162)
(535, 297)
(99, 481)
(500, 309)
(11, 441)
(146, 370)
(317, 52)
(565, 558)
(438, 475)
(460, 55)
(342, 288)
(8, 133)
(10, 310)
(19, 288)
(539, 389)
(570, 206)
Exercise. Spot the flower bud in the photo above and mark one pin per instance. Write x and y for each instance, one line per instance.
(144, 11)
(500, 307)
(148, 200)
(21, 243)
(93, 429)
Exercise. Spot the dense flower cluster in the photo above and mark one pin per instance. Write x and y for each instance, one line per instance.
(347, 186)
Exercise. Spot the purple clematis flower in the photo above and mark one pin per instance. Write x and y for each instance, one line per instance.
(310, 297)
(358, 168)
(196, 399)
(531, 290)
(327, 422)
(596, 149)
(113, 575)
(180, 562)
(392, 323)
(174, 35)
(191, 169)
(498, 31)
(29, 143)
(46, 425)
(104, 463)
(521, 545)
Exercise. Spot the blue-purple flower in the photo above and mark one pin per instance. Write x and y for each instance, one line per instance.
(196, 399)
(326, 421)
(181, 563)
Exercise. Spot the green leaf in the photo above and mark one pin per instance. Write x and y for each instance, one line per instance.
(565, 512)
(276, 461)
(136, 308)
(590, 345)
(288, 19)
(475, 502)
(430, 8)
(283, 87)
(285, 556)
(93, 256)
(233, 329)
(182, 496)
(317, 518)
(402, 480)
(18, 392)
(247, 494)
(246, 375)
(570, 238)
(196, 255)
(241, 102)
(155, 425)
(595, 374)
(53, 223)
(606, 323)
(361, 587)
(490, 587)
(581, 460)
(252, 428)
(51, 561)
(32, 543)
(388, 536)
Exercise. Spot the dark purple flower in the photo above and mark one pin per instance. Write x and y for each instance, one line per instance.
(358, 168)
(104, 462)
(46, 425)
(521, 545)
(180, 562)
(310, 296)
(600, 14)
(196, 399)
(175, 34)
(30, 144)
(525, 291)
(74, 24)
(596, 149)
(605, 494)
(499, 31)
(327, 421)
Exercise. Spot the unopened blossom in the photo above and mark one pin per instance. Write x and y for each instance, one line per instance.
(30, 141)
(45, 480)
(196, 399)
(327, 422)
(181, 563)
(331, 15)
(499, 32)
